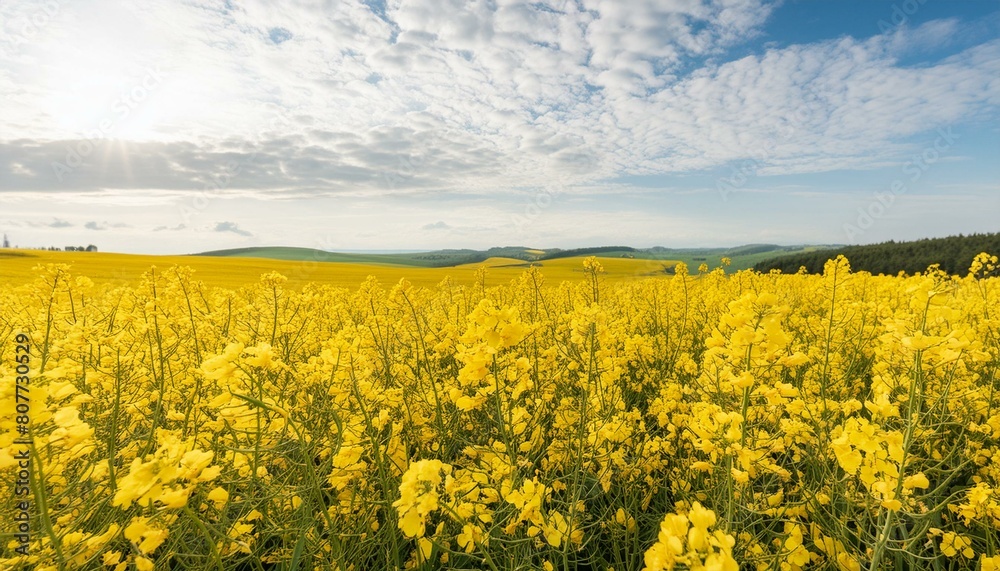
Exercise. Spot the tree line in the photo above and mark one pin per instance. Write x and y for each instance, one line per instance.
(953, 254)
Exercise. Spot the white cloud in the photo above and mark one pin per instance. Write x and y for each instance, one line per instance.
(463, 96)
(105, 225)
(439, 225)
(231, 227)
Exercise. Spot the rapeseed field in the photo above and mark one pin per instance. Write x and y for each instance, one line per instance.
(490, 420)
(17, 267)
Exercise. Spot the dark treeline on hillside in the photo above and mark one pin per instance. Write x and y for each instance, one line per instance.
(954, 254)
(587, 252)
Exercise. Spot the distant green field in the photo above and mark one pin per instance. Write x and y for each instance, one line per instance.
(434, 259)
(742, 257)
(418, 260)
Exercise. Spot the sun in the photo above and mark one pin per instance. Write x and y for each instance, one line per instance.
(101, 102)
(96, 84)
(125, 75)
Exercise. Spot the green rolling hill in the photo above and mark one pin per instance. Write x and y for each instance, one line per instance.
(742, 256)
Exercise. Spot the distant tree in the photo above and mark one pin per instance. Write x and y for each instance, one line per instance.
(91, 248)
(954, 254)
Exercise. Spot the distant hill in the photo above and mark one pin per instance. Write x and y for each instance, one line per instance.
(742, 256)
(954, 254)
(435, 259)
(606, 251)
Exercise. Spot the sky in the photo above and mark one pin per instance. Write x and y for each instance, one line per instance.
(179, 126)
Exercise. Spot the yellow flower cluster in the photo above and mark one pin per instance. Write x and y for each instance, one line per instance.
(685, 540)
(418, 495)
(153, 479)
